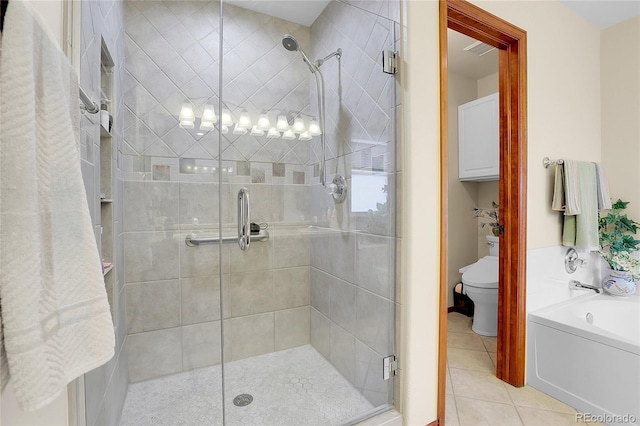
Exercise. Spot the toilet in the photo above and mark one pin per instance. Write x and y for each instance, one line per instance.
(481, 285)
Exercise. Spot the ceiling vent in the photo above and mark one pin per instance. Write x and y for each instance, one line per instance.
(479, 48)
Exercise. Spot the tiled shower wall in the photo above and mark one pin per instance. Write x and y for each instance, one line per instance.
(173, 184)
(331, 283)
(353, 261)
(106, 386)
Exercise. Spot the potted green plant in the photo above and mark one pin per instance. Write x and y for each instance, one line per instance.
(619, 248)
(489, 217)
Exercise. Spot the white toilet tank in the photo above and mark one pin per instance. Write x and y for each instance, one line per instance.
(493, 243)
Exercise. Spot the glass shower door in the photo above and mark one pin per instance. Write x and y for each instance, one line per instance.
(308, 309)
(172, 187)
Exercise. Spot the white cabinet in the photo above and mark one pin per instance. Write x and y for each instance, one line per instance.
(479, 139)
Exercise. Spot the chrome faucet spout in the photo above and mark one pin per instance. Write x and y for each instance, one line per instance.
(580, 285)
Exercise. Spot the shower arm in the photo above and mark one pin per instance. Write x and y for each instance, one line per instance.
(318, 63)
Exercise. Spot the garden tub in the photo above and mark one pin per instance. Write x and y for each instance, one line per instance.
(586, 352)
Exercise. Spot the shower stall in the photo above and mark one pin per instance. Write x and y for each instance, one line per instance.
(259, 211)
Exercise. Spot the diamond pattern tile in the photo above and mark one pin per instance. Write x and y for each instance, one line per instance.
(178, 37)
(159, 120)
(258, 73)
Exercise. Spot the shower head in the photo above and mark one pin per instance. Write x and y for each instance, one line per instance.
(291, 44)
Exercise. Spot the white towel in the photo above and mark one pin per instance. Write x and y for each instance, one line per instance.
(55, 314)
(604, 197)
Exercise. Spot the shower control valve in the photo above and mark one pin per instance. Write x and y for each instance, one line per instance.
(338, 189)
(572, 261)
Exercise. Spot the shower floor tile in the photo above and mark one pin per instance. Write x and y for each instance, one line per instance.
(291, 387)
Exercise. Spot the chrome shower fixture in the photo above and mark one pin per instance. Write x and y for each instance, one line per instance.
(338, 189)
(291, 44)
(318, 63)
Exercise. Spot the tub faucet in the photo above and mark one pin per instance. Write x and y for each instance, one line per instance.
(579, 285)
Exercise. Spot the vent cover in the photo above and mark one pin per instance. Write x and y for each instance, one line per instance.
(479, 48)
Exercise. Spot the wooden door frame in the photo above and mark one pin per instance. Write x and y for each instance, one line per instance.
(472, 21)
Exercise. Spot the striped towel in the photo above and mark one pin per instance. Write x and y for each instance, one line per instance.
(565, 192)
(579, 194)
(604, 197)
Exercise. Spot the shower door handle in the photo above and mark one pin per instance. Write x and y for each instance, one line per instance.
(244, 219)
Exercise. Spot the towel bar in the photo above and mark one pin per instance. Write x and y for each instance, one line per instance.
(87, 104)
(192, 241)
(546, 162)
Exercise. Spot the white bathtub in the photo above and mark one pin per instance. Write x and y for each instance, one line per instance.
(590, 364)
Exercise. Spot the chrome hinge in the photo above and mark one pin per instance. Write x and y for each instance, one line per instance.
(389, 62)
(389, 367)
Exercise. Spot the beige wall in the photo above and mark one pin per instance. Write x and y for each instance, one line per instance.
(563, 122)
(462, 196)
(488, 85)
(421, 260)
(620, 89)
(563, 100)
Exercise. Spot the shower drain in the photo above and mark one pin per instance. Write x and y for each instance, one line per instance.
(242, 400)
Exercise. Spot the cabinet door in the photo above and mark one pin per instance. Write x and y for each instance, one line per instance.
(479, 139)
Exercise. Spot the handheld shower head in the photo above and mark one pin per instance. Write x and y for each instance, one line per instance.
(291, 44)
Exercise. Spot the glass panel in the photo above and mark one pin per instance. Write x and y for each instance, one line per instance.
(171, 192)
(308, 311)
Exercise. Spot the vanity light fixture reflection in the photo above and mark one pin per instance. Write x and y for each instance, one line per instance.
(314, 128)
(288, 135)
(282, 124)
(187, 117)
(263, 127)
(255, 131)
(226, 118)
(209, 118)
(298, 125)
(305, 136)
(263, 122)
(273, 133)
(245, 120)
(239, 130)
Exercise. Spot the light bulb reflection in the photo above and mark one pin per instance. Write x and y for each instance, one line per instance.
(288, 135)
(282, 124)
(314, 128)
(263, 122)
(298, 125)
(273, 133)
(305, 136)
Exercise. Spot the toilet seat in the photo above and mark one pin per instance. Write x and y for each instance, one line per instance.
(482, 274)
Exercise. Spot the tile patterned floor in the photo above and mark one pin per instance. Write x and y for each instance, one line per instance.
(474, 396)
(292, 387)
